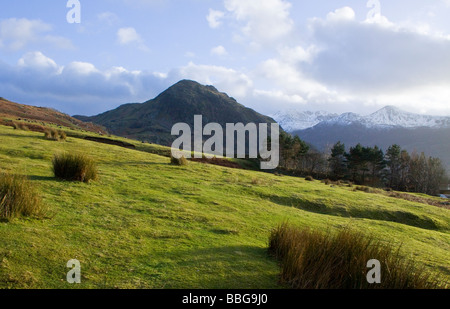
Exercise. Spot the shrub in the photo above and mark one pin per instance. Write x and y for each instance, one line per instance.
(62, 135)
(74, 167)
(54, 135)
(18, 197)
(327, 182)
(256, 181)
(181, 161)
(309, 178)
(316, 260)
(20, 126)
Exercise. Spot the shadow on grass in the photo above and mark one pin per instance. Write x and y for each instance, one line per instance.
(402, 217)
(43, 178)
(136, 163)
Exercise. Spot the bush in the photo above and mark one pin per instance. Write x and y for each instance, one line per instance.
(74, 167)
(315, 260)
(309, 178)
(18, 197)
(181, 161)
(327, 182)
(54, 135)
(20, 126)
(62, 135)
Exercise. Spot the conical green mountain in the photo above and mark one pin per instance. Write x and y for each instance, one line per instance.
(153, 120)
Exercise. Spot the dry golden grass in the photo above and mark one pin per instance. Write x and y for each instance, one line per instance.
(315, 260)
(74, 167)
(18, 197)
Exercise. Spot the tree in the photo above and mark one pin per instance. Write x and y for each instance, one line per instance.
(436, 175)
(394, 163)
(337, 161)
(376, 162)
(292, 151)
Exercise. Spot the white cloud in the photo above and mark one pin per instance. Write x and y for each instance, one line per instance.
(342, 14)
(128, 35)
(108, 17)
(38, 61)
(373, 57)
(214, 18)
(38, 79)
(219, 51)
(16, 34)
(231, 81)
(354, 64)
(80, 68)
(261, 22)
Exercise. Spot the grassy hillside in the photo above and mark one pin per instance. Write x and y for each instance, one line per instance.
(148, 224)
(10, 111)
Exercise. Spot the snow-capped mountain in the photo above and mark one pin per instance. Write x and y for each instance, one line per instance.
(293, 120)
(386, 127)
(391, 116)
(387, 117)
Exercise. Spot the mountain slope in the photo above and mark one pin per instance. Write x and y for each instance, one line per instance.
(392, 117)
(13, 111)
(293, 120)
(387, 117)
(153, 120)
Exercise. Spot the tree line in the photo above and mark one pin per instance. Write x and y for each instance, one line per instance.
(396, 168)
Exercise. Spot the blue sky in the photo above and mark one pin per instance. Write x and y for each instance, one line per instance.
(270, 55)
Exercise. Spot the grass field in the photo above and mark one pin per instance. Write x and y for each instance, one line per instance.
(149, 224)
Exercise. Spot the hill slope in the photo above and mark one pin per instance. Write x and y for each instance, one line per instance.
(12, 111)
(149, 224)
(153, 120)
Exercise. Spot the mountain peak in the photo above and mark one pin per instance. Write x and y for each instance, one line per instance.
(154, 119)
(293, 120)
(192, 85)
(387, 117)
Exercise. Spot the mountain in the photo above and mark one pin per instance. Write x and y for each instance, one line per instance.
(293, 120)
(387, 117)
(14, 111)
(388, 126)
(153, 120)
(391, 117)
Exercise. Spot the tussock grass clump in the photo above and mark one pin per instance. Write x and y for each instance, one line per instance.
(367, 189)
(54, 135)
(309, 178)
(20, 126)
(74, 167)
(18, 197)
(181, 161)
(315, 260)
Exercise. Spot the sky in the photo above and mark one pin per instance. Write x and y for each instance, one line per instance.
(270, 55)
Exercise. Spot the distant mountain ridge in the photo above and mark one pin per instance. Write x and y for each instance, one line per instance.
(388, 126)
(153, 120)
(387, 117)
(293, 120)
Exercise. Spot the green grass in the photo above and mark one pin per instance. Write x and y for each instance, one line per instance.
(149, 224)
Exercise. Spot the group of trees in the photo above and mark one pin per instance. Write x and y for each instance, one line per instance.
(396, 169)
